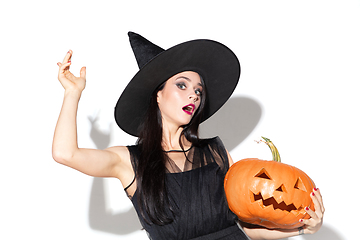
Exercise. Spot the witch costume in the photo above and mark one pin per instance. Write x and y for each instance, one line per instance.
(196, 194)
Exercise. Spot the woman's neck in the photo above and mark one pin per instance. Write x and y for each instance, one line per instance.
(171, 140)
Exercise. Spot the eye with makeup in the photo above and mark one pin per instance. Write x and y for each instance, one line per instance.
(182, 86)
(198, 92)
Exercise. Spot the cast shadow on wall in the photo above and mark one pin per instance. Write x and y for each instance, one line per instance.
(324, 233)
(233, 123)
(102, 220)
(99, 218)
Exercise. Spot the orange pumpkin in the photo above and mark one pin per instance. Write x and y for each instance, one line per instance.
(268, 193)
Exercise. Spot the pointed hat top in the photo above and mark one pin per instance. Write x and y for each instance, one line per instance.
(143, 49)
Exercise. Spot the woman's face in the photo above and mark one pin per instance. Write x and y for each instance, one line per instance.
(180, 98)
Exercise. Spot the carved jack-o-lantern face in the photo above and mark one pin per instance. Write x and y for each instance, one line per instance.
(268, 193)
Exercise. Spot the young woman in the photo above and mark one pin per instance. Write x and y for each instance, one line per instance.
(173, 178)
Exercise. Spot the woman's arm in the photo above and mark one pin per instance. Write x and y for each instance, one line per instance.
(311, 226)
(111, 162)
(260, 233)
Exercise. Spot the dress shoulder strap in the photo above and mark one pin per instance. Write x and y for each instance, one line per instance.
(134, 158)
(218, 152)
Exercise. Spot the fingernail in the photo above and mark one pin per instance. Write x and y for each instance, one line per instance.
(315, 189)
(307, 208)
(313, 194)
(69, 61)
(301, 220)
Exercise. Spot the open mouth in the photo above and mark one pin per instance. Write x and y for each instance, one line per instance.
(282, 205)
(189, 109)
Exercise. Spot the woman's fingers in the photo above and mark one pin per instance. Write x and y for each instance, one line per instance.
(316, 217)
(320, 200)
(318, 203)
(83, 72)
(64, 67)
(312, 214)
(68, 56)
(67, 79)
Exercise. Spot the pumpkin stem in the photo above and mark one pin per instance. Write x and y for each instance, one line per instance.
(274, 151)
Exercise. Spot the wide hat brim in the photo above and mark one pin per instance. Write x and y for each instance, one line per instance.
(216, 63)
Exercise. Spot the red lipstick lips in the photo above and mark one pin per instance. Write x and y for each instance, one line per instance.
(189, 109)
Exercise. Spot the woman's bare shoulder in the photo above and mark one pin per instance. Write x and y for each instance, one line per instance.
(125, 169)
(122, 152)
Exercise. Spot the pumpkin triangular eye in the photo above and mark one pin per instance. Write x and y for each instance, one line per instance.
(281, 188)
(263, 174)
(300, 185)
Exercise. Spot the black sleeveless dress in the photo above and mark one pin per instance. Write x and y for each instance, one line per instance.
(196, 194)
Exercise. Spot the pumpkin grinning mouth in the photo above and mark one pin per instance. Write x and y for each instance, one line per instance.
(271, 201)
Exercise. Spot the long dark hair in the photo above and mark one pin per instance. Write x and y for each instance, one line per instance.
(151, 172)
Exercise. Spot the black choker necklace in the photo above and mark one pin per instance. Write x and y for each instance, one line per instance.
(179, 150)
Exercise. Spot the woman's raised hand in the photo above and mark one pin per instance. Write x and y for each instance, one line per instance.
(67, 79)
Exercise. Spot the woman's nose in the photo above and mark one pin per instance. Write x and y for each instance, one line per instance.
(193, 97)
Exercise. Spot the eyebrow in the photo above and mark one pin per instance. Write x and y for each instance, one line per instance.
(188, 79)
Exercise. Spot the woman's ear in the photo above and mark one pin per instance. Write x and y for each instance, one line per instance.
(159, 93)
(158, 97)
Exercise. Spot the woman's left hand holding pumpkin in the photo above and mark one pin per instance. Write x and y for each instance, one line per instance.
(313, 224)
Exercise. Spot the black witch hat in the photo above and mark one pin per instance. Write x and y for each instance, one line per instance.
(213, 61)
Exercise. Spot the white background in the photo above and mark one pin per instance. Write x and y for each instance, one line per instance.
(299, 87)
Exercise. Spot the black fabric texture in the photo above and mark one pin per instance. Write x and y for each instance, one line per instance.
(196, 195)
(143, 49)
